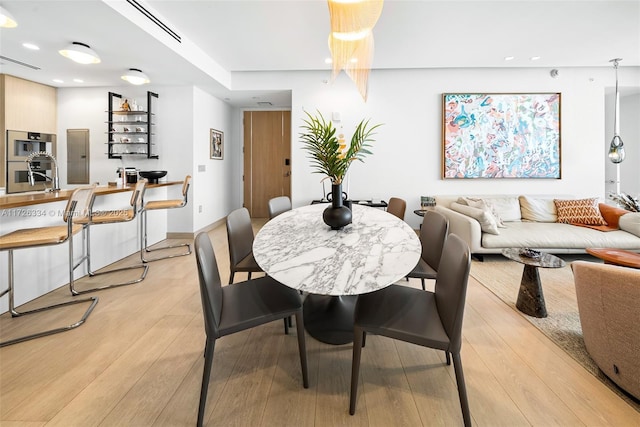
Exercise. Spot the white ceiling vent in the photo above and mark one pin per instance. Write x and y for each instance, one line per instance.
(15, 61)
(155, 20)
(265, 104)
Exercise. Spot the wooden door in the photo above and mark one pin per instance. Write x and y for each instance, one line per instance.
(267, 159)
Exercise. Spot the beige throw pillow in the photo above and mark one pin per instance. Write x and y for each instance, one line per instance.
(507, 207)
(579, 211)
(484, 205)
(486, 220)
(539, 210)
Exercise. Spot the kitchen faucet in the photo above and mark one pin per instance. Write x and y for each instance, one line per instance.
(55, 180)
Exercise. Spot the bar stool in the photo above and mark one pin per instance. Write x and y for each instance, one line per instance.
(77, 208)
(112, 217)
(162, 204)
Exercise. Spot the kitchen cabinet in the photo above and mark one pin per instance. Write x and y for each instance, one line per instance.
(130, 129)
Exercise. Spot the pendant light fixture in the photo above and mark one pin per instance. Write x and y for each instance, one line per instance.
(616, 149)
(80, 53)
(6, 19)
(135, 77)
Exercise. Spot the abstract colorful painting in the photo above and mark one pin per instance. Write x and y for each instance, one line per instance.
(501, 135)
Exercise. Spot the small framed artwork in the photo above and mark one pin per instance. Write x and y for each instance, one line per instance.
(501, 135)
(217, 144)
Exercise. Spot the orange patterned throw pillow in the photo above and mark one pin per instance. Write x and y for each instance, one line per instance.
(579, 211)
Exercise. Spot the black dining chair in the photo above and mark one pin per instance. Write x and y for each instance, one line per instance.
(433, 234)
(397, 207)
(278, 205)
(240, 237)
(428, 319)
(240, 306)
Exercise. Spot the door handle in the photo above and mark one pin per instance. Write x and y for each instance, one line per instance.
(83, 157)
(287, 174)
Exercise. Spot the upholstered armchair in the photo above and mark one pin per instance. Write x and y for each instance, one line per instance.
(608, 301)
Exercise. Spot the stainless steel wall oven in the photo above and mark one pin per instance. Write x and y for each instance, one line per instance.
(20, 145)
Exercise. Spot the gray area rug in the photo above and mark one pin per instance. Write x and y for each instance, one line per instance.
(502, 277)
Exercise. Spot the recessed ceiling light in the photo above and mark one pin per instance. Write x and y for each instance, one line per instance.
(509, 58)
(30, 46)
(58, 80)
(78, 80)
(534, 58)
(328, 61)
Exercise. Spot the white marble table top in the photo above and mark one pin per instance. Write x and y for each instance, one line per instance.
(299, 250)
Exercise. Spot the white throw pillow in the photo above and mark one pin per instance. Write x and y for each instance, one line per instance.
(507, 207)
(630, 223)
(484, 217)
(539, 210)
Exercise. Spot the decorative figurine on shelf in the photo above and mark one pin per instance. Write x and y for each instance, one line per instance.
(125, 106)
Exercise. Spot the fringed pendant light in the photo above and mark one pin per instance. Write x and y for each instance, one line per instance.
(616, 149)
(351, 38)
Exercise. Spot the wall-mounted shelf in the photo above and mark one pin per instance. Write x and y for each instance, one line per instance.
(136, 123)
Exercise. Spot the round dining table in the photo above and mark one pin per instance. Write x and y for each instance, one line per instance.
(333, 267)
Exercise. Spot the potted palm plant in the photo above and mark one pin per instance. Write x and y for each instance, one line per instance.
(331, 156)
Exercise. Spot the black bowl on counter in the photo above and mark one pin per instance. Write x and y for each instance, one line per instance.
(152, 176)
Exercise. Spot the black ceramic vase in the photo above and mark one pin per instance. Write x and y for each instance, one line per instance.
(337, 215)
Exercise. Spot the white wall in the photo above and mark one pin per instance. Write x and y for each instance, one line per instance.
(406, 160)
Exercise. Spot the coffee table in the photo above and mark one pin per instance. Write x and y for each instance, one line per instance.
(616, 256)
(530, 296)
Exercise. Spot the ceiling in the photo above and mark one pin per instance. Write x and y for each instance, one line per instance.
(222, 38)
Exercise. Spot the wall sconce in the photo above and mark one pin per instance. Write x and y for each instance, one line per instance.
(80, 53)
(6, 19)
(135, 77)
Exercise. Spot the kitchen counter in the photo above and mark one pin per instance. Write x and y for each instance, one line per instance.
(34, 198)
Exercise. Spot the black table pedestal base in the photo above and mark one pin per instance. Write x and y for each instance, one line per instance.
(530, 297)
(329, 319)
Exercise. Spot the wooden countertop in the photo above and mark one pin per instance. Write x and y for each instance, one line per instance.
(35, 198)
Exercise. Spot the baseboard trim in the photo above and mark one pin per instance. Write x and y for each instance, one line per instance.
(205, 229)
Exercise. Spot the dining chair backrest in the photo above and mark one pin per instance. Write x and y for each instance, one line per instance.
(240, 235)
(210, 284)
(433, 234)
(278, 205)
(451, 288)
(397, 207)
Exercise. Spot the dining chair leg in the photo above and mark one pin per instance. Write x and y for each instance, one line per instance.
(286, 326)
(423, 287)
(364, 338)
(358, 336)
(446, 353)
(249, 276)
(462, 390)
(302, 348)
(208, 362)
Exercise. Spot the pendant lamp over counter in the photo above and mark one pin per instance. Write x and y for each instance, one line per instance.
(135, 77)
(351, 38)
(616, 150)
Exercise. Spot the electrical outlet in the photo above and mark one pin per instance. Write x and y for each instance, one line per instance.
(202, 168)
(199, 208)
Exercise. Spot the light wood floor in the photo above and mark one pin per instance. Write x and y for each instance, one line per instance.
(138, 361)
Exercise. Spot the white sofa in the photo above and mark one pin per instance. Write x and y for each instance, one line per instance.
(549, 236)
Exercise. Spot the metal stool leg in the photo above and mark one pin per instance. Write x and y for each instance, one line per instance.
(87, 256)
(16, 313)
(144, 248)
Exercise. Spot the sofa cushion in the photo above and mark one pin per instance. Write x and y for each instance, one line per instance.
(549, 235)
(536, 209)
(579, 211)
(630, 223)
(487, 222)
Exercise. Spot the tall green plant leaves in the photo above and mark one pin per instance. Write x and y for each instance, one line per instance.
(320, 140)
